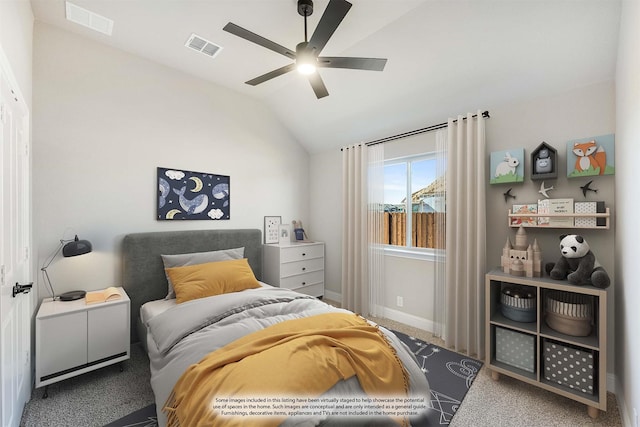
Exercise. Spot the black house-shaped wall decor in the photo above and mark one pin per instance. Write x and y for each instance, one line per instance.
(544, 162)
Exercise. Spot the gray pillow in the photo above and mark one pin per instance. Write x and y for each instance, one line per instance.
(181, 260)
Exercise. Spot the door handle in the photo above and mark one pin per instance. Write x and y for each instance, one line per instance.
(19, 289)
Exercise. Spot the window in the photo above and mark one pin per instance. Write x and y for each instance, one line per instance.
(414, 202)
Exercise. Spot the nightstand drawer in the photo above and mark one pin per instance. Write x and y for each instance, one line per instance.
(300, 280)
(301, 267)
(299, 253)
(298, 266)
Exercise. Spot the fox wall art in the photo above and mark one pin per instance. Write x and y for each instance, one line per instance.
(590, 156)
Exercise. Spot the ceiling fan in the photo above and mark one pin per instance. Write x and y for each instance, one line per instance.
(306, 55)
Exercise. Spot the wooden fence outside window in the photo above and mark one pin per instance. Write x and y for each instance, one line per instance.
(424, 233)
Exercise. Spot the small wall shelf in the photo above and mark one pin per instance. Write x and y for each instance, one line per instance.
(606, 215)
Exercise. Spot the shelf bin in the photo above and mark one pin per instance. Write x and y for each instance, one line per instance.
(515, 349)
(570, 366)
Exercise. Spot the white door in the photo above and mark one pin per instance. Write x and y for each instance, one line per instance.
(15, 250)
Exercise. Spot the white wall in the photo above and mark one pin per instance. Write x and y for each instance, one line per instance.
(325, 216)
(104, 120)
(628, 229)
(16, 40)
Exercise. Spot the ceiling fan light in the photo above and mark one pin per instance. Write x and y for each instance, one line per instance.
(305, 60)
(306, 68)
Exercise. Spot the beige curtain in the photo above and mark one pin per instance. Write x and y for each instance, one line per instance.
(362, 253)
(463, 292)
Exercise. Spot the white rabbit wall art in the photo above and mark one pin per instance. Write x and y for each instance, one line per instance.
(507, 166)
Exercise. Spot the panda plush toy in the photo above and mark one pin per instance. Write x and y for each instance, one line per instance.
(578, 264)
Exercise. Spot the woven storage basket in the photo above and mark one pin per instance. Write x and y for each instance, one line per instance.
(569, 313)
(518, 303)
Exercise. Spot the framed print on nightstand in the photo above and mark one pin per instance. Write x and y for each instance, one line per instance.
(271, 224)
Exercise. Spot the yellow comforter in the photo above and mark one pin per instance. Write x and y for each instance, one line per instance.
(301, 357)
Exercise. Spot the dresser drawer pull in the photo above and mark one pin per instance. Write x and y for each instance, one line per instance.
(303, 254)
(304, 268)
(304, 283)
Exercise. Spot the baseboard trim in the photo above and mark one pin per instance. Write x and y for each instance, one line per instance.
(407, 319)
(620, 399)
(332, 296)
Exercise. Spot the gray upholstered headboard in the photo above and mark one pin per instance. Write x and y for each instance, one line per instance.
(143, 272)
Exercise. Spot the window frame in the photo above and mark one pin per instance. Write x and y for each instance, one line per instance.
(408, 251)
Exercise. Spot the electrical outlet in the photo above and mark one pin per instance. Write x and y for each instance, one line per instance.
(399, 301)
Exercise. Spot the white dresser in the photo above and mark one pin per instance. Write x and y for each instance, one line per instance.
(73, 338)
(295, 266)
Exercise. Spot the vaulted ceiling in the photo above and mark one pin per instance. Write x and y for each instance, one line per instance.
(444, 56)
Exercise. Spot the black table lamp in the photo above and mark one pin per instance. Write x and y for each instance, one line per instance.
(69, 248)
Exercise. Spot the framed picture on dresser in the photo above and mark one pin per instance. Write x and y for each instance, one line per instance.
(284, 234)
(271, 224)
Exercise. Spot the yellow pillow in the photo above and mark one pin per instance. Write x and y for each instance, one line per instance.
(212, 278)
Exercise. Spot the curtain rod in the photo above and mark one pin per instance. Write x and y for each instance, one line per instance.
(485, 115)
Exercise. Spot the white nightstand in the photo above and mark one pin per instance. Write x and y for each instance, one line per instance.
(73, 338)
(297, 266)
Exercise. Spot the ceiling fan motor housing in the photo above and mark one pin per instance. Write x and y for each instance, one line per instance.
(305, 7)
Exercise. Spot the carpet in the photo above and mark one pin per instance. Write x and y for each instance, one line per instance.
(450, 375)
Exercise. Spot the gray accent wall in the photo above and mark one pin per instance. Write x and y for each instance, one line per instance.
(576, 113)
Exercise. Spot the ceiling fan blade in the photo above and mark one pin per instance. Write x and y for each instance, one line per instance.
(332, 17)
(259, 40)
(318, 85)
(271, 74)
(372, 64)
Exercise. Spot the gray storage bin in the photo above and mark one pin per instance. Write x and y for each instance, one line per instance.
(516, 349)
(569, 366)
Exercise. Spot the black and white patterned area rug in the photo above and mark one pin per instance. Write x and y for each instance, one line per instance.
(450, 375)
(145, 417)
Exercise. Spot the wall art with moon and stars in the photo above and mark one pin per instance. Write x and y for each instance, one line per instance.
(192, 195)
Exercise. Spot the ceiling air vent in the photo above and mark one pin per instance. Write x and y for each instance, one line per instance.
(89, 19)
(199, 44)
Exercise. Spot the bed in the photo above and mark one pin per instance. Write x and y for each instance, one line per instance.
(256, 354)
